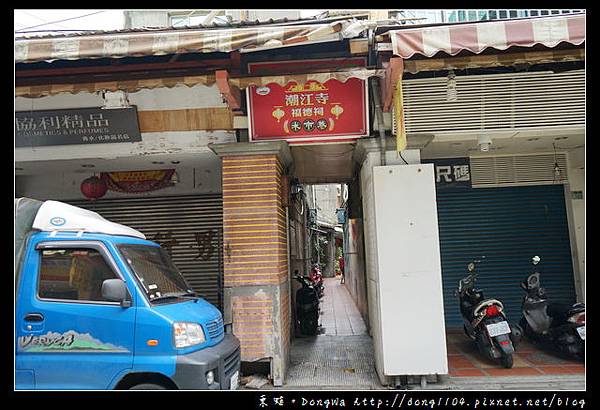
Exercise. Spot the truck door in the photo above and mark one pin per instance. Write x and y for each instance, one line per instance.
(66, 333)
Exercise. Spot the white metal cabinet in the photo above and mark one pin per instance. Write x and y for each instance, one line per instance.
(413, 334)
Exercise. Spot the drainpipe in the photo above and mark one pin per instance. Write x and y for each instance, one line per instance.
(375, 88)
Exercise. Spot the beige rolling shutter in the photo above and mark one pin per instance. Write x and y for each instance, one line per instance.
(191, 225)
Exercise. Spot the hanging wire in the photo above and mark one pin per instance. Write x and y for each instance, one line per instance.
(59, 21)
(557, 172)
(405, 162)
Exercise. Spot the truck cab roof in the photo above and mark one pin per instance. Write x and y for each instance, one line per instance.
(92, 236)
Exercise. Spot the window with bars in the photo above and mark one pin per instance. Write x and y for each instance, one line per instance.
(454, 16)
(193, 18)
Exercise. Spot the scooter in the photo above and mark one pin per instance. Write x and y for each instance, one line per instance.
(558, 326)
(316, 277)
(485, 322)
(307, 306)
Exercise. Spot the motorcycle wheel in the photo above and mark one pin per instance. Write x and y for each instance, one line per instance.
(527, 330)
(575, 350)
(507, 361)
(523, 324)
(309, 327)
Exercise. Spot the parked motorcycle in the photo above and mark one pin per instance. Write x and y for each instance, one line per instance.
(316, 277)
(558, 326)
(485, 322)
(307, 306)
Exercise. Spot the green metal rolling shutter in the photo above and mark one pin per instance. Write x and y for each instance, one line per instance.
(178, 219)
(509, 226)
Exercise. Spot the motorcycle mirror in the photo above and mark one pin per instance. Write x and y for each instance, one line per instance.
(471, 267)
(533, 280)
(536, 259)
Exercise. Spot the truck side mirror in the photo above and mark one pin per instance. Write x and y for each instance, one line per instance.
(115, 290)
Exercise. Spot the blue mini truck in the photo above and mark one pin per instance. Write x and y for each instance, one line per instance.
(100, 307)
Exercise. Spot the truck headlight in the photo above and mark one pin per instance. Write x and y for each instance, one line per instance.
(187, 334)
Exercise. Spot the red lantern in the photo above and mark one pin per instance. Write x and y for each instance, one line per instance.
(93, 187)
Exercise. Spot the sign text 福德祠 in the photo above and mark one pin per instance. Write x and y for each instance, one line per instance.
(309, 112)
(76, 126)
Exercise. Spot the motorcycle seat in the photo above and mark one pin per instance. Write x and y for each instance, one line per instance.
(562, 311)
(576, 308)
(485, 303)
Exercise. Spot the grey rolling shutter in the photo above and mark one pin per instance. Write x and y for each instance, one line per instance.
(190, 227)
(509, 226)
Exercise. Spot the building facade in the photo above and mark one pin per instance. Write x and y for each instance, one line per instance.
(501, 125)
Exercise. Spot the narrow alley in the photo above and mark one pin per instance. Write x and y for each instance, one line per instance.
(341, 356)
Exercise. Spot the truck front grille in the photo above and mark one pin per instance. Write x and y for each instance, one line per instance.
(215, 328)
(231, 362)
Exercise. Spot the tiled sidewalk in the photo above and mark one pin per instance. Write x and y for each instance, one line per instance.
(339, 314)
(464, 360)
(341, 356)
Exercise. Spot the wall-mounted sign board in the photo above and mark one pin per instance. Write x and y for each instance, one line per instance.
(76, 126)
(451, 172)
(310, 112)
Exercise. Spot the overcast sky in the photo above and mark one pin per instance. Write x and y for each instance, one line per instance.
(33, 20)
(36, 21)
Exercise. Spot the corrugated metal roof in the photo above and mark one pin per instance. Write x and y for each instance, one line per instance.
(144, 42)
(213, 26)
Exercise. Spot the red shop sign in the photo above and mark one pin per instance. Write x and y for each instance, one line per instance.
(309, 113)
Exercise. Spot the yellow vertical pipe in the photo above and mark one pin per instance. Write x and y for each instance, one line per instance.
(399, 113)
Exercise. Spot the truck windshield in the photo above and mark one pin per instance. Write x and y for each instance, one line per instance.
(158, 275)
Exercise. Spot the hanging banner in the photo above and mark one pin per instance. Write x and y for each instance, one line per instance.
(399, 114)
(138, 181)
(310, 112)
(76, 126)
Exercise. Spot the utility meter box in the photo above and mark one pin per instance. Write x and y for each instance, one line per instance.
(413, 333)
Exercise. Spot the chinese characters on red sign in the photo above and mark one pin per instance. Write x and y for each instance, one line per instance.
(309, 112)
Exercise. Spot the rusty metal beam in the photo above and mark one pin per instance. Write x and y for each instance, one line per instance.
(231, 94)
(51, 72)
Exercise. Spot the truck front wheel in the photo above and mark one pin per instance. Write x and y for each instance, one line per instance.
(148, 386)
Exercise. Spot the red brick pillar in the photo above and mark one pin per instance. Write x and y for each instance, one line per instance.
(255, 250)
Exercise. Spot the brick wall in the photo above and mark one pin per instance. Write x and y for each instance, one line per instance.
(255, 256)
(253, 325)
(254, 221)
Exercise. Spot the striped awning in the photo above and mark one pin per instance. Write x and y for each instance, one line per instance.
(476, 37)
(37, 91)
(133, 43)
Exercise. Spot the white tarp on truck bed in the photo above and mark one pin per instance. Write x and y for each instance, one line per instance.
(32, 215)
(58, 216)
(25, 211)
